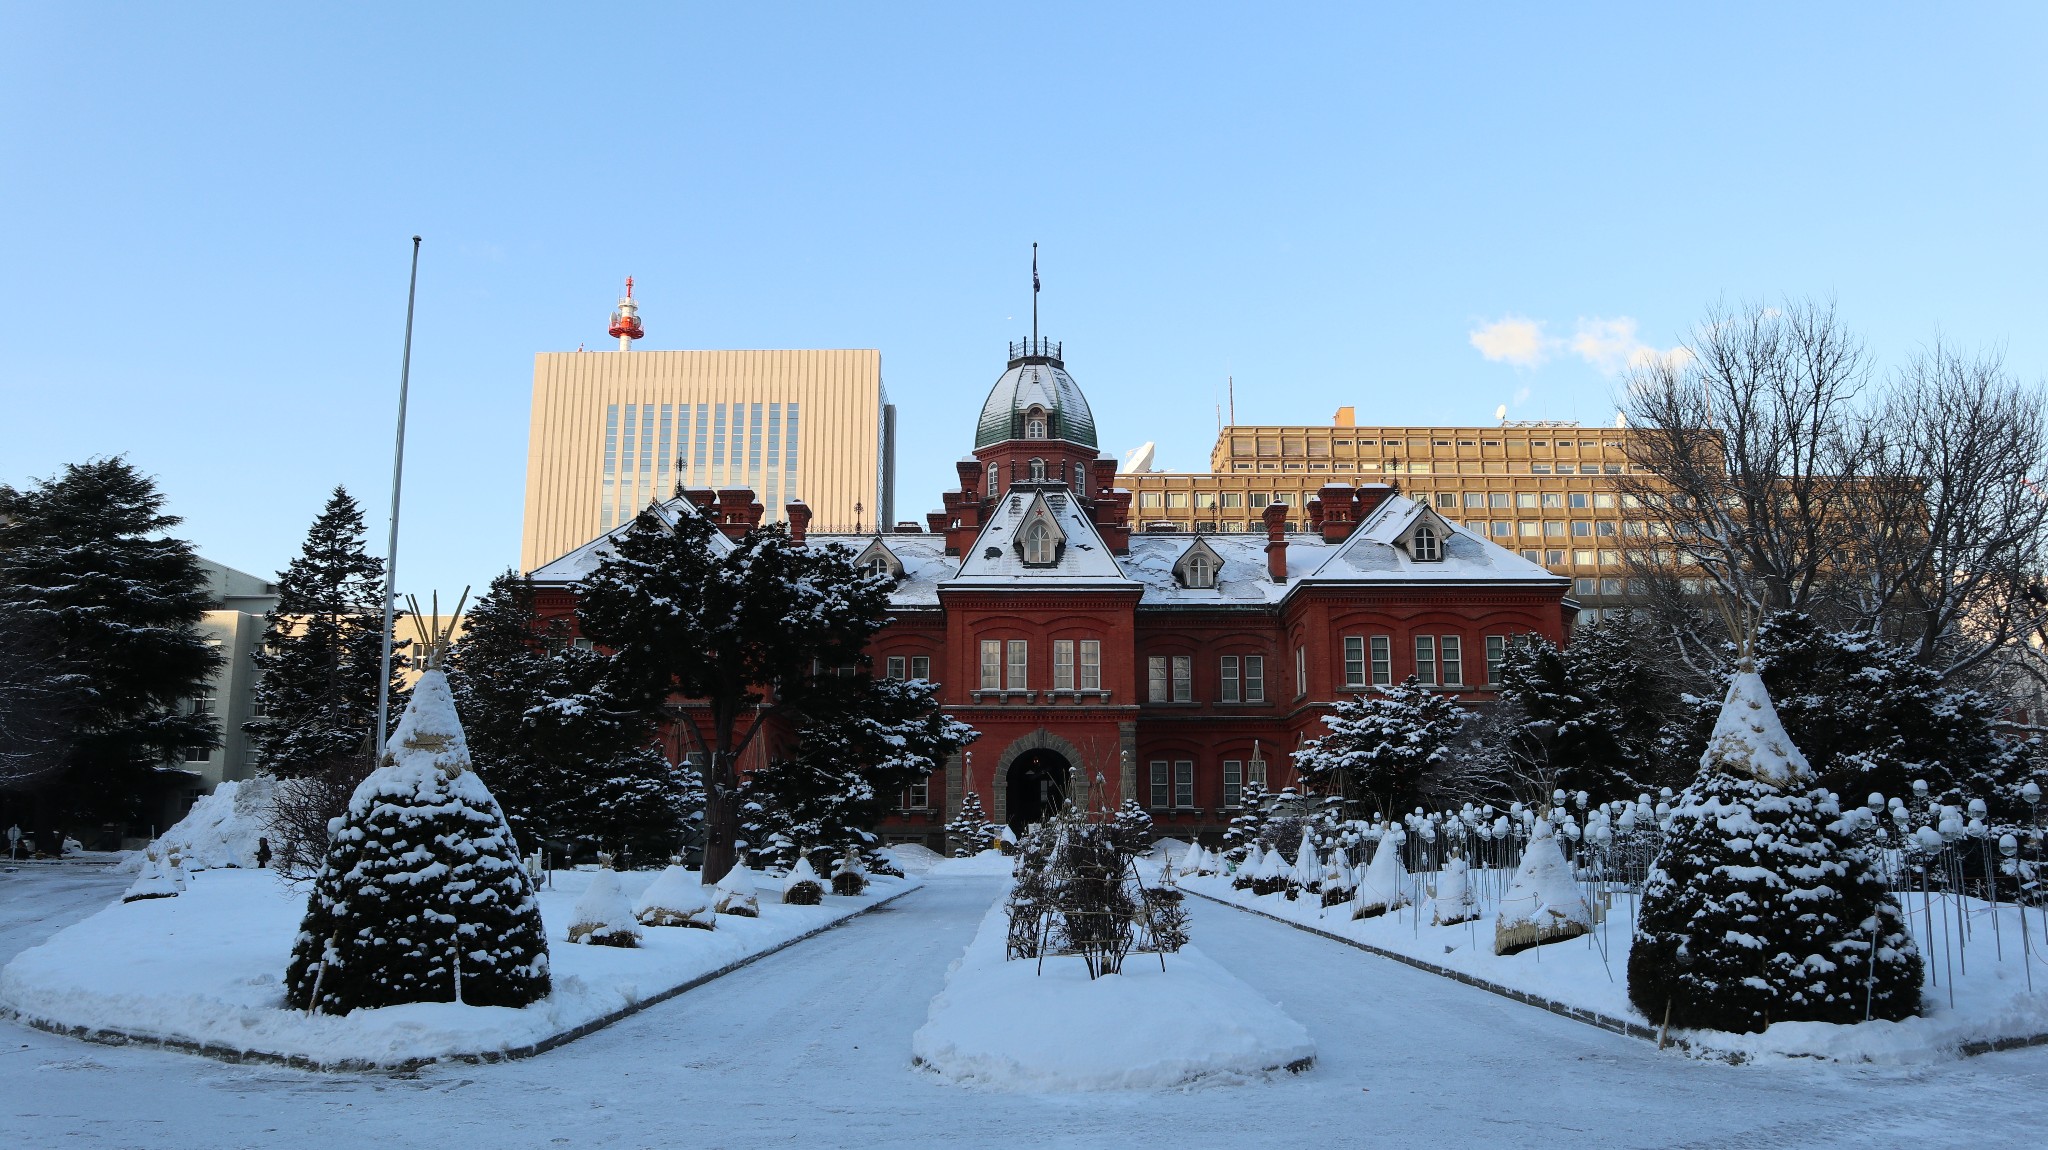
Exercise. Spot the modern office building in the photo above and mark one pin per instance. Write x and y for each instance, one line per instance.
(1546, 490)
(234, 625)
(613, 431)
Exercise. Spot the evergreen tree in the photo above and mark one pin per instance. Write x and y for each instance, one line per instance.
(1382, 744)
(109, 606)
(741, 628)
(572, 763)
(322, 650)
(1589, 717)
(422, 897)
(969, 830)
(1762, 907)
(1248, 826)
(861, 746)
(1131, 830)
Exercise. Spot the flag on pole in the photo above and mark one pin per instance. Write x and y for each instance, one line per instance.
(1034, 269)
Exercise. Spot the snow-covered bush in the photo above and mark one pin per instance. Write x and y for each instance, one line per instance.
(1338, 886)
(676, 897)
(1543, 904)
(155, 881)
(850, 875)
(1762, 907)
(602, 916)
(1454, 901)
(1384, 885)
(802, 886)
(1132, 828)
(736, 894)
(422, 897)
(970, 831)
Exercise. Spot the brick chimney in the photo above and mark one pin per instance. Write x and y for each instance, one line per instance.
(799, 515)
(703, 498)
(1276, 542)
(1371, 495)
(1314, 506)
(936, 521)
(1338, 500)
(737, 511)
(969, 471)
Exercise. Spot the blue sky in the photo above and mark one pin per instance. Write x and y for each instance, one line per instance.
(207, 209)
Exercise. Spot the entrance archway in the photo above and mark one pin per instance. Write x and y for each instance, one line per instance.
(1037, 787)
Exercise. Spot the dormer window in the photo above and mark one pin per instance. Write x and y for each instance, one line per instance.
(1038, 544)
(1423, 545)
(1198, 566)
(1038, 469)
(1201, 572)
(1034, 423)
(878, 560)
(877, 566)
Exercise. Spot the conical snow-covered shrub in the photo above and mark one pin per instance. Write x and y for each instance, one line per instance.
(1384, 885)
(602, 916)
(849, 877)
(422, 897)
(802, 886)
(1455, 901)
(1762, 908)
(1270, 876)
(1307, 875)
(676, 897)
(1544, 903)
(736, 894)
(1337, 887)
(1254, 860)
(970, 830)
(155, 881)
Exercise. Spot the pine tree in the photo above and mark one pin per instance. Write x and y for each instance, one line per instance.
(322, 651)
(422, 897)
(1382, 744)
(572, 763)
(1762, 908)
(1248, 826)
(1591, 716)
(110, 606)
(969, 830)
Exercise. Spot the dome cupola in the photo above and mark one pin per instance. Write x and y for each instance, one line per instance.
(1035, 398)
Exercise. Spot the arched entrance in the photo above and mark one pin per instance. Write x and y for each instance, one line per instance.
(1037, 786)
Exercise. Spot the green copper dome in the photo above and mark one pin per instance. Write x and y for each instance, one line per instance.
(1036, 378)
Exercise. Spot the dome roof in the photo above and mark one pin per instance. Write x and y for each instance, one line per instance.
(1036, 379)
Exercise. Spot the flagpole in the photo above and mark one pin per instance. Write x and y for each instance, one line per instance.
(397, 480)
(1034, 296)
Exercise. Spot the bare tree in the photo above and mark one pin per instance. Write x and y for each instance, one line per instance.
(1949, 522)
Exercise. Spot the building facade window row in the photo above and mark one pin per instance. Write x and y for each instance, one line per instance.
(1006, 665)
(649, 448)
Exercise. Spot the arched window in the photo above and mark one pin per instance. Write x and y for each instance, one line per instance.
(879, 566)
(1038, 469)
(1201, 572)
(1423, 545)
(1038, 544)
(1034, 424)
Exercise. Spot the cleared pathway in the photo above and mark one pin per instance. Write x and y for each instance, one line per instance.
(809, 1048)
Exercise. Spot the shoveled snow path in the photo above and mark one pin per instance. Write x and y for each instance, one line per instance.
(810, 1047)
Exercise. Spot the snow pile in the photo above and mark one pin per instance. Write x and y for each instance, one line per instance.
(203, 968)
(989, 862)
(1003, 1026)
(159, 879)
(676, 897)
(221, 829)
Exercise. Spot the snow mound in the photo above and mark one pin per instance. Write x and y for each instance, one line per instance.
(676, 897)
(912, 859)
(1002, 1026)
(983, 864)
(602, 916)
(220, 830)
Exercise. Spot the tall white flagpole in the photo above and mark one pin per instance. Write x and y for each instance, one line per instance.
(397, 480)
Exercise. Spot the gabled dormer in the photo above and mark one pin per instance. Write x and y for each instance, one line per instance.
(1040, 541)
(878, 559)
(1424, 536)
(1199, 567)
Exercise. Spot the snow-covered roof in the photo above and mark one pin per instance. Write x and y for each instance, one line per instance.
(581, 562)
(1042, 383)
(996, 561)
(1373, 554)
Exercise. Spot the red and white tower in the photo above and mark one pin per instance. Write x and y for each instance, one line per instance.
(626, 319)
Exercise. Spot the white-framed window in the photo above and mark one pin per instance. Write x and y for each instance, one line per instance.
(1183, 783)
(1162, 784)
(1201, 571)
(1034, 426)
(991, 664)
(1038, 544)
(1382, 660)
(1354, 660)
(1425, 660)
(1228, 678)
(1062, 664)
(1020, 662)
(1156, 681)
(1255, 771)
(1091, 664)
(920, 666)
(1254, 678)
(1300, 671)
(1183, 678)
(1038, 469)
(898, 667)
(1233, 782)
(1451, 650)
(1496, 654)
(919, 796)
(878, 567)
(1423, 545)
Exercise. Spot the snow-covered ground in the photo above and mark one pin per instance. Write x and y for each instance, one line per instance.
(1046, 1026)
(811, 1047)
(987, 864)
(206, 968)
(1992, 1000)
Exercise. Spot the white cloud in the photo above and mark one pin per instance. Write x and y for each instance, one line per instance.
(1513, 339)
(1612, 344)
(1522, 397)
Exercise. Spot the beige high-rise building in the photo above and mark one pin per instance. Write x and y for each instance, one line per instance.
(1545, 489)
(614, 430)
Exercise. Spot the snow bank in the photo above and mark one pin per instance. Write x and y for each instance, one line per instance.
(220, 830)
(1992, 1001)
(1003, 1026)
(207, 968)
(981, 865)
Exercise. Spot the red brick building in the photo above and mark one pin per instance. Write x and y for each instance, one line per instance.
(1169, 668)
